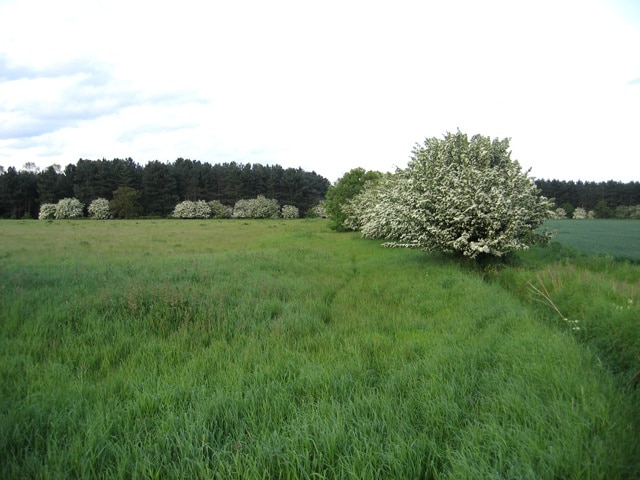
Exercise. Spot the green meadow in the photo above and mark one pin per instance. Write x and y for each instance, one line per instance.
(281, 350)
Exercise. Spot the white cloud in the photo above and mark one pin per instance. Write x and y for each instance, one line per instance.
(327, 86)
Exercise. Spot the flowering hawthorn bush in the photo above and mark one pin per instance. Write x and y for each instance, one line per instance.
(456, 195)
(319, 211)
(345, 189)
(47, 211)
(190, 209)
(68, 208)
(290, 211)
(579, 213)
(377, 211)
(99, 209)
(259, 207)
(559, 213)
(219, 210)
(242, 209)
(628, 211)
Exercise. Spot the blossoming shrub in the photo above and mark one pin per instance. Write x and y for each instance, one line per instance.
(319, 211)
(190, 209)
(290, 211)
(242, 209)
(68, 208)
(377, 211)
(259, 207)
(47, 211)
(219, 210)
(579, 213)
(559, 213)
(345, 189)
(456, 195)
(99, 209)
(628, 211)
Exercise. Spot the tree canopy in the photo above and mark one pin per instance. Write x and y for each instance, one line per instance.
(459, 195)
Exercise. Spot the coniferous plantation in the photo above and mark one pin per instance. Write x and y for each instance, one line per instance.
(158, 187)
(609, 199)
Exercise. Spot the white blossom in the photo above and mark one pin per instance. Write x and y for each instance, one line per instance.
(47, 211)
(455, 195)
(68, 208)
(290, 211)
(219, 210)
(99, 209)
(259, 207)
(560, 213)
(190, 209)
(579, 213)
(319, 211)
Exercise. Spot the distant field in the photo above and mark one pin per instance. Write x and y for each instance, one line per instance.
(618, 238)
(281, 350)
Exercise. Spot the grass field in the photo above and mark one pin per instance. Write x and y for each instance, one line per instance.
(618, 238)
(279, 349)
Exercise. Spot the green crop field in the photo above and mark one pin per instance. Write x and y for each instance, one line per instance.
(279, 349)
(618, 238)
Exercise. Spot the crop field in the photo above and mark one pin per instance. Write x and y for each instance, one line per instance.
(279, 349)
(618, 238)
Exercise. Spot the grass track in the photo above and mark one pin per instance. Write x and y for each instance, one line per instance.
(278, 349)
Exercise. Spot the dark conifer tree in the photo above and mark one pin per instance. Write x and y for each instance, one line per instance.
(159, 189)
(49, 181)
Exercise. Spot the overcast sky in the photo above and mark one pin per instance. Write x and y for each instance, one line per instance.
(326, 85)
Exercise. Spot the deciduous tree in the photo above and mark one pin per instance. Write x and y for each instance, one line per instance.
(346, 188)
(460, 195)
(125, 203)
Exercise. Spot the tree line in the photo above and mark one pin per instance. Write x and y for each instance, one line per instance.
(160, 186)
(603, 197)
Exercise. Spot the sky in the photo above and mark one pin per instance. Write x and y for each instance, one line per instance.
(326, 86)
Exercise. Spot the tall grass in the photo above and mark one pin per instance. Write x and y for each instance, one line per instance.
(598, 294)
(278, 349)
